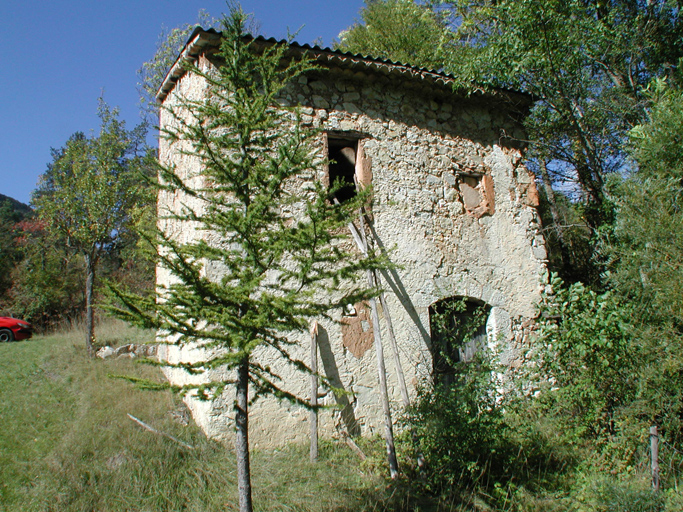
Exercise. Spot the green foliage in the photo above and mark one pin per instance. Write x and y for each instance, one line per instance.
(90, 194)
(610, 496)
(648, 235)
(586, 63)
(483, 448)
(152, 72)
(398, 30)
(461, 430)
(645, 249)
(10, 254)
(89, 191)
(586, 362)
(46, 285)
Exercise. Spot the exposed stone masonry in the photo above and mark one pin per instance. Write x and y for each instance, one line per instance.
(452, 205)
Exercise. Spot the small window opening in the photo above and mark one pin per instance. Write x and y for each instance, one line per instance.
(477, 194)
(342, 156)
(458, 327)
(470, 188)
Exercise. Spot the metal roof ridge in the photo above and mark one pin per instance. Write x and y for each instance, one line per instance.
(201, 38)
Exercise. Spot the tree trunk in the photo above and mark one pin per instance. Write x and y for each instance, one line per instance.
(314, 392)
(557, 220)
(242, 436)
(89, 315)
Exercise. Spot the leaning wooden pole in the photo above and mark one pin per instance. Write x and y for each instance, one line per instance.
(314, 391)
(362, 243)
(381, 369)
(384, 395)
(421, 463)
(394, 347)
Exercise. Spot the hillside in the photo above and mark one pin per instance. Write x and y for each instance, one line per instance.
(18, 206)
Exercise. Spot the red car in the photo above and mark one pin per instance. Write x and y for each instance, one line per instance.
(12, 329)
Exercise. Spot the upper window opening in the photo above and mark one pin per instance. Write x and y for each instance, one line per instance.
(342, 156)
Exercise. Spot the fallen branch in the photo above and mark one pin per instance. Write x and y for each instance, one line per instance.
(155, 431)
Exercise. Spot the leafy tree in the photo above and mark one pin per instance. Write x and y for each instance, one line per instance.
(649, 228)
(399, 30)
(152, 72)
(276, 245)
(89, 193)
(645, 250)
(586, 360)
(586, 62)
(609, 365)
(9, 252)
(46, 284)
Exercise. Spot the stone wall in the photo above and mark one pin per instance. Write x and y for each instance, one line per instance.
(452, 205)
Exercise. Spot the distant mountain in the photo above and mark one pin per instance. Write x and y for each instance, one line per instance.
(22, 208)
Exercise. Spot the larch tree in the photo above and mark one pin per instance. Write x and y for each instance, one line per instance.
(278, 245)
(90, 192)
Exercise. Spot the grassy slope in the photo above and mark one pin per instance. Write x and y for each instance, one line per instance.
(67, 444)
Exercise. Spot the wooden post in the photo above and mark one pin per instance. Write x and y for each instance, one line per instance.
(654, 454)
(384, 395)
(362, 242)
(314, 391)
(381, 369)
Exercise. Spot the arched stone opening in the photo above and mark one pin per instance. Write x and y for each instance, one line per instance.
(458, 331)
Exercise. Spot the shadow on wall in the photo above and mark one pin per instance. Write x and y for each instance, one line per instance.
(332, 371)
(394, 281)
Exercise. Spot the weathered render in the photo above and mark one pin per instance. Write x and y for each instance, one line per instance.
(453, 206)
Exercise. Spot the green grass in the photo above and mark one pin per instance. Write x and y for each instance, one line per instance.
(66, 443)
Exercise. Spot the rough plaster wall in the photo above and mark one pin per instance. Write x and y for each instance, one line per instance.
(188, 168)
(419, 146)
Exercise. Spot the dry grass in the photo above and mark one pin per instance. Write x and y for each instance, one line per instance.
(67, 444)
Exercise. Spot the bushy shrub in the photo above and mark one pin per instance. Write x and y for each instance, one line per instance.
(460, 429)
(584, 360)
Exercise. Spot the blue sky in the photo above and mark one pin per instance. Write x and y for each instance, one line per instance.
(59, 56)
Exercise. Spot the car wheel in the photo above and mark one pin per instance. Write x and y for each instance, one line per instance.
(6, 335)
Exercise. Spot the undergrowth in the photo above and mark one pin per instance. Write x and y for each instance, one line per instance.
(67, 444)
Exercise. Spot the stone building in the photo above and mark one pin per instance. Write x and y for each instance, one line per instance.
(452, 201)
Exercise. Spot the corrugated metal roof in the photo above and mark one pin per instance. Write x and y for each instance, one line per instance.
(202, 39)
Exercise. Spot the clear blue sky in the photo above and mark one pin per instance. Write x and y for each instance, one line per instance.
(58, 56)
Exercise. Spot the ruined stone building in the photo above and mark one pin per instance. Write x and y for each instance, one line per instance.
(452, 201)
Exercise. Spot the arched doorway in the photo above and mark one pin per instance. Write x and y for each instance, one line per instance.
(458, 332)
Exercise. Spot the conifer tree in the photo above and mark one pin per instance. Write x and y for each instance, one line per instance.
(277, 245)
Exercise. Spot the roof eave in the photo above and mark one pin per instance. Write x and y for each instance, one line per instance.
(201, 39)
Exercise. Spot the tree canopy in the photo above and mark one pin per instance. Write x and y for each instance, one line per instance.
(92, 191)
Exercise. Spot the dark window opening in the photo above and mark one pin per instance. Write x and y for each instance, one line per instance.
(342, 170)
(458, 327)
